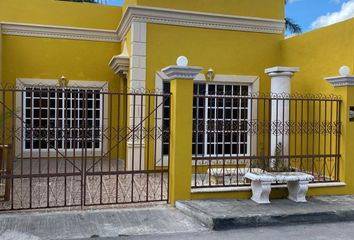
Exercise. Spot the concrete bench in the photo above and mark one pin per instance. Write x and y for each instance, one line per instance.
(261, 185)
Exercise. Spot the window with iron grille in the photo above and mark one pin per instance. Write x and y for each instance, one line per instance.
(62, 118)
(220, 119)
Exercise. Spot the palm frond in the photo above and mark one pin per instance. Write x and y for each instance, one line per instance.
(292, 27)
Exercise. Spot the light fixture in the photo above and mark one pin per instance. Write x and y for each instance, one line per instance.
(210, 74)
(182, 61)
(344, 71)
(63, 81)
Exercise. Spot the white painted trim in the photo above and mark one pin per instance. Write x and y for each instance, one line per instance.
(22, 82)
(281, 70)
(27, 82)
(49, 31)
(120, 63)
(197, 19)
(145, 14)
(248, 188)
(253, 81)
(341, 81)
(137, 69)
(178, 72)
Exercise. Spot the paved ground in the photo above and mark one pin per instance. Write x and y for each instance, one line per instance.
(164, 222)
(231, 214)
(333, 231)
(99, 223)
(41, 191)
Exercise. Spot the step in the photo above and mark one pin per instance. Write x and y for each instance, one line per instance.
(235, 214)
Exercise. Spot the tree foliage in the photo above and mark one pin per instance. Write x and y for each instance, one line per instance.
(292, 26)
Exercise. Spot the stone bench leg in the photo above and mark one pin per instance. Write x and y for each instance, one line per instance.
(261, 191)
(297, 190)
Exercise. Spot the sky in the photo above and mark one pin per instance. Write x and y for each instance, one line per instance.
(310, 14)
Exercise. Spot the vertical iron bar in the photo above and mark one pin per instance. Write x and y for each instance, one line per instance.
(133, 155)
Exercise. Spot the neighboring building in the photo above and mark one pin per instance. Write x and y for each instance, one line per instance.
(70, 62)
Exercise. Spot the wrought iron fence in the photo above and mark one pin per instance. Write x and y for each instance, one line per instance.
(233, 135)
(77, 146)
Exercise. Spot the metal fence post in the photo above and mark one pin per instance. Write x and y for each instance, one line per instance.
(181, 77)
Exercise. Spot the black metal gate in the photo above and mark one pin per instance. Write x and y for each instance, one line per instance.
(77, 146)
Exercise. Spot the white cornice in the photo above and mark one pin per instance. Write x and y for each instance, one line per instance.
(197, 19)
(148, 15)
(48, 31)
(341, 81)
(179, 72)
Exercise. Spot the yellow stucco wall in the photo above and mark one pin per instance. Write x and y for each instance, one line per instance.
(227, 52)
(0, 53)
(319, 54)
(29, 57)
(265, 8)
(52, 12)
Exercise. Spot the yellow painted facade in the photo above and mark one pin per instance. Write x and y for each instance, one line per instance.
(60, 13)
(318, 53)
(265, 9)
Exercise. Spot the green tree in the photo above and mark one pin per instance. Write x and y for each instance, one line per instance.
(292, 26)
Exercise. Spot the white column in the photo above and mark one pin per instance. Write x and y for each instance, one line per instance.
(280, 84)
(136, 148)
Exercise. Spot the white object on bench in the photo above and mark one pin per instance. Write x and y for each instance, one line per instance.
(217, 174)
(261, 185)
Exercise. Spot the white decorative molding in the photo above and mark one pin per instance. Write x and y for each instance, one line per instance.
(281, 71)
(197, 19)
(145, 14)
(137, 70)
(22, 83)
(253, 81)
(49, 31)
(120, 63)
(341, 81)
(179, 72)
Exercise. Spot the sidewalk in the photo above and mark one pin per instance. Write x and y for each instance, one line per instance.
(96, 224)
(234, 214)
(191, 218)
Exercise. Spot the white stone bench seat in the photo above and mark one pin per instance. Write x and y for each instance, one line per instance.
(261, 185)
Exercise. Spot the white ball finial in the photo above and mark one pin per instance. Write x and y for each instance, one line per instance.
(182, 61)
(344, 71)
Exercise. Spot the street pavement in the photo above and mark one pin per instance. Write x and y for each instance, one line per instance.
(329, 231)
(96, 224)
(322, 218)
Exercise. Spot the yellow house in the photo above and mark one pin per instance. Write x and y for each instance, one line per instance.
(94, 112)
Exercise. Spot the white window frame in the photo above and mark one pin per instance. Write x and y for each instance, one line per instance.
(22, 152)
(206, 117)
(254, 85)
